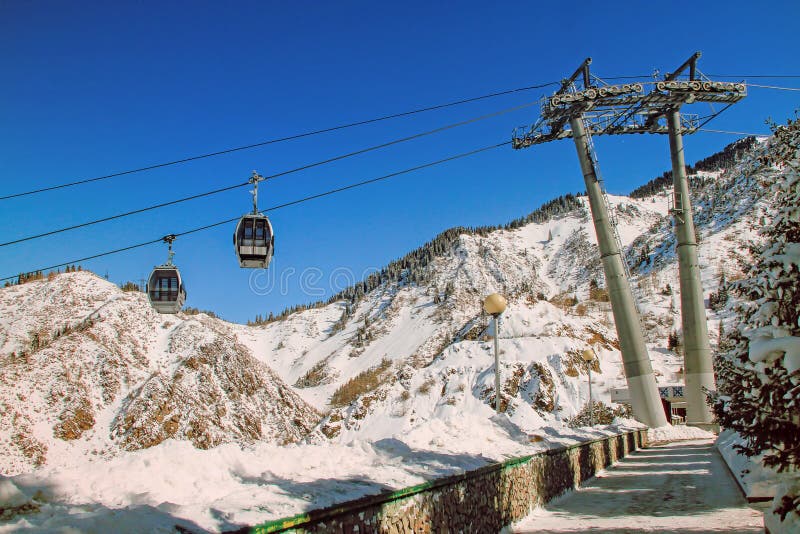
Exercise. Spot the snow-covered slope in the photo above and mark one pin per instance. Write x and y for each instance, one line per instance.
(374, 392)
(421, 346)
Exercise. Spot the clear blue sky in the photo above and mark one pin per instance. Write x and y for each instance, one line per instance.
(91, 88)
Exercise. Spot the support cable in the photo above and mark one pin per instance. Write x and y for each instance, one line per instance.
(278, 140)
(121, 215)
(361, 123)
(272, 176)
(775, 76)
(273, 208)
(773, 87)
(733, 133)
(404, 139)
(714, 116)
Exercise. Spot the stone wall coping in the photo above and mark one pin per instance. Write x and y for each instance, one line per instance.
(361, 503)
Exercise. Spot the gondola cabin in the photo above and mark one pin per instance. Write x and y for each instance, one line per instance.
(165, 289)
(254, 241)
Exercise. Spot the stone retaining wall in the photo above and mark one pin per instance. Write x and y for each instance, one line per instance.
(483, 500)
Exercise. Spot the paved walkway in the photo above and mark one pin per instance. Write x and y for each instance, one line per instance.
(679, 487)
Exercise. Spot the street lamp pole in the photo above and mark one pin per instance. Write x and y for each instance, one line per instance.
(495, 304)
(589, 357)
(496, 364)
(591, 402)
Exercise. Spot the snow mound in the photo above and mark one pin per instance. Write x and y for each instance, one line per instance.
(14, 502)
(669, 433)
(757, 481)
(10, 495)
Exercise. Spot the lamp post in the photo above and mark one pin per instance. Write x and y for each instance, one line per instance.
(495, 304)
(589, 357)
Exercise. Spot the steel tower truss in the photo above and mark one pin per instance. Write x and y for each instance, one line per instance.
(602, 109)
(624, 108)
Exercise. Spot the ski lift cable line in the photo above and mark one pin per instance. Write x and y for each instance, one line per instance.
(273, 208)
(278, 140)
(733, 133)
(404, 139)
(345, 126)
(269, 177)
(773, 87)
(121, 215)
(351, 186)
(773, 76)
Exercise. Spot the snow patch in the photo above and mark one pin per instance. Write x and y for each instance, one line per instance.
(757, 482)
(769, 350)
(10, 495)
(669, 433)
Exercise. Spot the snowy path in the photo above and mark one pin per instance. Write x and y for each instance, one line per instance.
(679, 487)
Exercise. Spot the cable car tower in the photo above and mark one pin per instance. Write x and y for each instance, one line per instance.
(602, 109)
(253, 239)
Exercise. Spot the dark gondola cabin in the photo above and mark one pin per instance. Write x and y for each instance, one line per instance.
(165, 289)
(254, 241)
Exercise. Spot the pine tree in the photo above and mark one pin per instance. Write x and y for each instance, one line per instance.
(719, 298)
(724, 159)
(449, 289)
(673, 341)
(760, 399)
(130, 286)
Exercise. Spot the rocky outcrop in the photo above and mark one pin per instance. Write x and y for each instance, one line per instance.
(219, 393)
(87, 364)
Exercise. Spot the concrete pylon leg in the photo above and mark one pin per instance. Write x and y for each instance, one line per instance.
(696, 348)
(645, 399)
